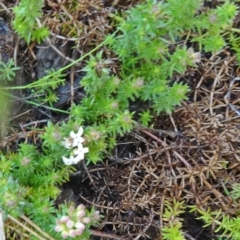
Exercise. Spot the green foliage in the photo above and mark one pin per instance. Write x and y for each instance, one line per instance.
(213, 24)
(148, 46)
(235, 44)
(7, 71)
(173, 232)
(25, 20)
(12, 195)
(44, 88)
(144, 45)
(227, 226)
(32, 177)
(145, 118)
(30, 182)
(235, 193)
(172, 228)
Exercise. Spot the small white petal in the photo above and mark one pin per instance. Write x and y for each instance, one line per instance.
(73, 233)
(67, 161)
(73, 134)
(79, 232)
(79, 153)
(80, 131)
(85, 150)
(80, 149)
(67, 143)
(78, 158)
(81, 207)
(79, 134)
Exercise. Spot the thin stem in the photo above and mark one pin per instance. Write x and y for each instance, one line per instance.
(26, 228)
(106, 235)
(36, 227)
(35, 84)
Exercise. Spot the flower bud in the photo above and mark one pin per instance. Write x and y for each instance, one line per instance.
(72, 233)
(194, 56)
(86, 220)
(138, 83)
(81, 207)
(10, 200)
(80, 226)
(69, 223)
(56, 136)
(95, 216)
(80, 213)
(212, 18)
(65, 234)
(79, 232)
(64, 219)
(71, 210)
(114, 105)
(25, 161)
(58, 228)
(116, 81)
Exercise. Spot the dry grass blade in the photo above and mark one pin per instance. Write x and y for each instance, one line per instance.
(28, 227)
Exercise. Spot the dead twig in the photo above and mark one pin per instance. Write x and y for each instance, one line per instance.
(106, 235)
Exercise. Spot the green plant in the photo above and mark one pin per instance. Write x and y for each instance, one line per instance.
(75, 222)
(226, 225)
(45, 87)
(7, 71)
(31, 179)
(235, 193)
(172, 228)
(25, 20)
(12, 195)
(151, 44)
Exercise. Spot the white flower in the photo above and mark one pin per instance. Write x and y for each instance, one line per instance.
(194, 56)
(74, 139)
(77, 139)
(68, 161)
(79, 152)
(74, 143)
(77, 156)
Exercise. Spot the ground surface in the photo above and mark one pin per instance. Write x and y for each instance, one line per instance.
(191, 155)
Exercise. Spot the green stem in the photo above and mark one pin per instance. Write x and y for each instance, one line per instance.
(235, 30)
(36, 83)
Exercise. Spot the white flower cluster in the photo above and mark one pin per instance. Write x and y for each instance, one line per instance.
(74, 144)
